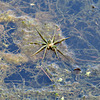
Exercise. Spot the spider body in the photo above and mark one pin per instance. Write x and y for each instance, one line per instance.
(49, 45)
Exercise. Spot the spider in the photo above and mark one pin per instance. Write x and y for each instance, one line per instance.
(49, 45)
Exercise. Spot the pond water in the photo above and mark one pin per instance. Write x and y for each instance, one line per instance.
(49, 50)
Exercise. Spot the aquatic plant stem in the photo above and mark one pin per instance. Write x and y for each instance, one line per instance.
(45, 73)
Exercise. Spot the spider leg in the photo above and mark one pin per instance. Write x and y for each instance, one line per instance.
(67, 56)
(59, 41)
(60, 52)
(53, 39)
(55, 50)
(35, 43)
(39, 50)
(45, 52)
(41, 36)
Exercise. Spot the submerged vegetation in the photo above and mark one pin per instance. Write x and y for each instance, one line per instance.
(33, 35)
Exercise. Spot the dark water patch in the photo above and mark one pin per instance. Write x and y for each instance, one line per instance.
(13, 48)
(95, 1)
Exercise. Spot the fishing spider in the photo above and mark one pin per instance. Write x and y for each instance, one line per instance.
(49, 45)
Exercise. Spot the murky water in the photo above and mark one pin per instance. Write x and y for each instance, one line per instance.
(35, 64)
